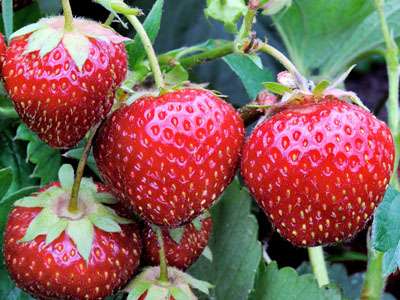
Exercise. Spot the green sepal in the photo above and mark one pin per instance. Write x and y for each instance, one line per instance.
(105, 223)
(82, 234)
(178, 293)
(52, 42)
(157, 293)
(277, 88)
(228, 12)
(202, 286)
(40, 225)
(66, 177)
(197, 224)
(176, 234)
(106, 198)
(139, 288)
(56, 230)
(177, 75)
(321, 87)
(340, 80)
(27, 29)
(78, 47)
(40, 200)
(207, 253)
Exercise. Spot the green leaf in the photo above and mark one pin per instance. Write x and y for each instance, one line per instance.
(8, 14)
(386, 230)
(40, 225)
(202, 286)
(324, 38)
(6, 177)
(176, 234)
(77, 154)
(277, 88)
(82, 234)
(249, 73)
(236, 250)
(66, 176)
(47, 160)
(152, 23)
(8, 290)
(285, 284)
(56, 230)
(105, 223)
(177, 75)
(227, 12)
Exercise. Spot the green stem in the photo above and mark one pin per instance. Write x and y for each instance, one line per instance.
(69, 18)
(109, 20)
(318, 265)
(393, 69)
(155, 67)
(163, 260)
(279, 56)
(374, 282)
(247, 25)
(74, 200)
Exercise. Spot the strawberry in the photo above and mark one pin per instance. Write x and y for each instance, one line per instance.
(63, 82)
(319, 169)
(3, 49)
(171, 156)
(54, 254)
(181, 251)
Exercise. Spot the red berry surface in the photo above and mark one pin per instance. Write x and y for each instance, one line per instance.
(57, 271)
(319, 170)
(180, 255)
(3, 49)
(170, 156)
(56, 99)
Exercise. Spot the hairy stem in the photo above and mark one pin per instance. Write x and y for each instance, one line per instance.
(155, 67)
(109, 20)
(318, 265)
(247, 25)
(392, 64)
(374, 282)
(74, 200)
(163, 260)
(279, 56)
(196, 59)
(69, 18)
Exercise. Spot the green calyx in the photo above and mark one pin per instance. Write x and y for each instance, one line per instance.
(178, 287)
(54, 219)
(177, 233)
(48, 33)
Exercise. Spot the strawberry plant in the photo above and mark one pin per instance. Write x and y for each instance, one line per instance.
(199, 149)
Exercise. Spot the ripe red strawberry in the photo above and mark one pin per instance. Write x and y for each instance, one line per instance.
(62, 82)
(170, 156)
(319, 169)
(181, 253)
(55, 255)
(3, 49)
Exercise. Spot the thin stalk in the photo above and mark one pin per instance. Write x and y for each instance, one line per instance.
(74, 200)
(163, 260)
(109, 20)
(392, 65)
(247, 25)
(318, 265)
(69, 18)
(279, 56)
(151, 54)
(374, 282)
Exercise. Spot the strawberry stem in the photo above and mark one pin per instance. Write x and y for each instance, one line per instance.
(318, 265)
(374, 282)
(151, 54)
(279, 56)
(163, 260)
(69, 19)
(73, 206)
(109, 20)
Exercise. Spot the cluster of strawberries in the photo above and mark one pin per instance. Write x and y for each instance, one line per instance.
(317, 168)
